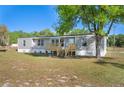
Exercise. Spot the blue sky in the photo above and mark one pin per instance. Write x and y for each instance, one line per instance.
(34, 18)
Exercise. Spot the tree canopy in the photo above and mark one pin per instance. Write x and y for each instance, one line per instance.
(20, 34)
(17, 34)
(116, 40)
(78, 31)
(46, 32)
(94, 17)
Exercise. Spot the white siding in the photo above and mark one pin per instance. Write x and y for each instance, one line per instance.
(88, 49)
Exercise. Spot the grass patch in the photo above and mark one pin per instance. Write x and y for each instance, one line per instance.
(18, 69)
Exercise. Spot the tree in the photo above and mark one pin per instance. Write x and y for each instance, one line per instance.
(111, 41)
(119, 40)
(35, 33)
(78, 31)
(18, 34)
(46, 32)
(116, 40)
(3, 36)
(95, 18)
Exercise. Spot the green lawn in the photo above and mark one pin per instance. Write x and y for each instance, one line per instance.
(17, 69)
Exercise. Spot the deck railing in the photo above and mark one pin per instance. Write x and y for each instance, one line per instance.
(60, 51)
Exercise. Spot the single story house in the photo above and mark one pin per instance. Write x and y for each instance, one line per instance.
(85, 44)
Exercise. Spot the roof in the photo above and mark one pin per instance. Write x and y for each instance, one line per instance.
(61, 36)
(69, 35)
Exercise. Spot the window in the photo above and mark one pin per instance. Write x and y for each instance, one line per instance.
(57, 41)
(62, 42)
(38, 43)
(24, 43)
(52, 41)
(71, 41)
(42, 42)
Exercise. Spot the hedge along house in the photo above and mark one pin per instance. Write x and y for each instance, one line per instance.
(85, 44)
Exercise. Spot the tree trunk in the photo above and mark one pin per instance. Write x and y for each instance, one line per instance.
(98, 39)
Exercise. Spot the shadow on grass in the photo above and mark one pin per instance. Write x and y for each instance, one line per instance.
(55, 56)
(115, 64)
(36, 54)
(61, 57)
(64, 57)
(3, 50)
(107, 58)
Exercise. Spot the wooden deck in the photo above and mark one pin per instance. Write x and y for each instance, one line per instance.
(59, 51)
(3, 48)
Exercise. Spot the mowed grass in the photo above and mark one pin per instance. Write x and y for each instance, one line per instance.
(18, 69)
